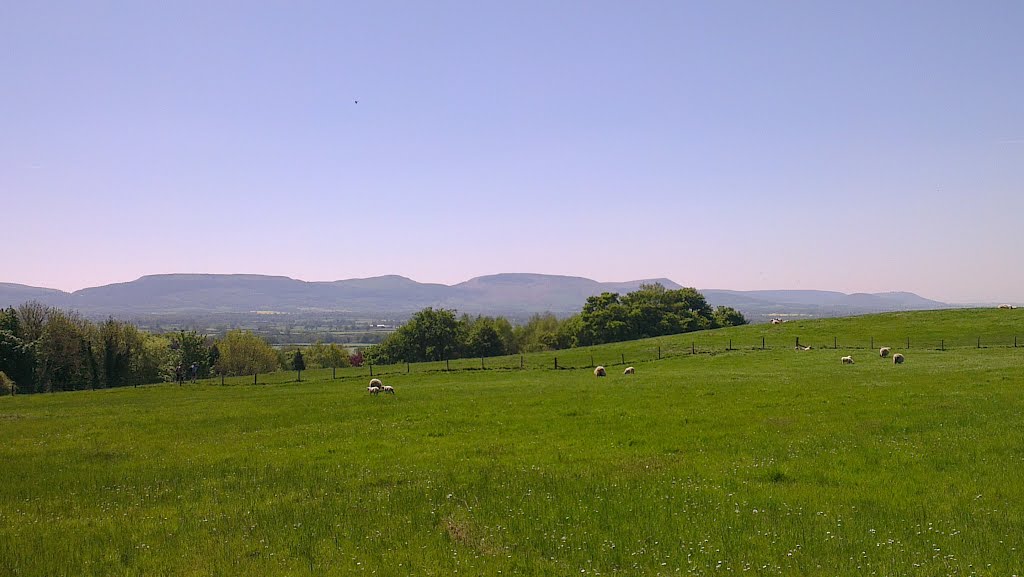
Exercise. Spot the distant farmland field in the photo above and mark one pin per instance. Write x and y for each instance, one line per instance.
(706, 462)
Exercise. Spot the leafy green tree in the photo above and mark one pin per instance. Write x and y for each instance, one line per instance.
(64, 350)
(327, 356)
(728, 317)
(483, 338)
(298, 363)
(538, 334)
(244, 353)
(650, 311)
(430, 335)
(17, 356)
(192, 350)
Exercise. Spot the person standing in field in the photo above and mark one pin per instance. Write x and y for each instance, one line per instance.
(195, 371)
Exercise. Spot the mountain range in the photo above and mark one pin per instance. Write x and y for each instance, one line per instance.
(513, 294)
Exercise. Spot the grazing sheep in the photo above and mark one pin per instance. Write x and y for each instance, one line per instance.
(389, 389)
(847, 360)
(373, 390)
(884, 352)
(1006, 306)
(629, 371)
(897, 359)
(776, 321)
(376, 383)
(599, 371)
(800, 348)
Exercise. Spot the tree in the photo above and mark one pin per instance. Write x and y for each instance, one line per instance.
(650, 311)
(243, 353)
(298, 363)
(483, 338)
(327, 356)
(430, 335)
(728, 317)
(17, 356)
(193, 351)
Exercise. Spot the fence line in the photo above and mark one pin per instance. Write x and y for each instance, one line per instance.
(574, 359)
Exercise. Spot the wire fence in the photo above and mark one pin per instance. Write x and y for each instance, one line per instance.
(634, 352)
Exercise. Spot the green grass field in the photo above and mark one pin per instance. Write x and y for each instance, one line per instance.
(743, 461)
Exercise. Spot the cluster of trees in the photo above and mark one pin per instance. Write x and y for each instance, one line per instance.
(46, 349)
(650, 311)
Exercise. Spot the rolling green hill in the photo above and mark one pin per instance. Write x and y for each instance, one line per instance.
(765, 462)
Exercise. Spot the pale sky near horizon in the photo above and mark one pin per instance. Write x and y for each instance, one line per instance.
(857, 146)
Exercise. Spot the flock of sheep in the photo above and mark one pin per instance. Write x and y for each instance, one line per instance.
(600, 371)
(884, 352)
(376, 387)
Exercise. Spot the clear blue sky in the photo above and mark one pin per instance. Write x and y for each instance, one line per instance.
(856, 146)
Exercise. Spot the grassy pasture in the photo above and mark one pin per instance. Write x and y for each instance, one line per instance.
(771, 462)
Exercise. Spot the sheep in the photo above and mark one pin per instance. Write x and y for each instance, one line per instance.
(373, 390)
(1006, 306)
(897, 359)
(599, 371)
(884, 352)
(376, 383)
(629, 371)
(776, 321)
(848, 360)
(802, 348)
(389, 389)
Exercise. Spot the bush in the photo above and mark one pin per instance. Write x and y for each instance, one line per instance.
(7, 385)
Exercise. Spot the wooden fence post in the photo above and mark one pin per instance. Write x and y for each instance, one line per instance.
(693, 348)
(371, 370)
(942, 344)
(762, 343)
(407, 368)
(659, 352)
(556, 362)
(447, 367)
(835, 342)
(872, 343)
(520, 361)
(481, 362)
(623, 356)
(254, 378)
(979, 342)
(908, 342)
(730, 345)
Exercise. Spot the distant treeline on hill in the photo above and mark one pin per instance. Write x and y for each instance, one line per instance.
(650, 311)
(45, 349)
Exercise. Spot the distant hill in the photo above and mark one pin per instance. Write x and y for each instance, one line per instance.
(500, 294)
(759, 305)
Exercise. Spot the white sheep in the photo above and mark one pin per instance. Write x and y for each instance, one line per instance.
(629, 371)
(389, 389)
(599, 371)
(848, 360)
(802, 348)
(373, 390)
(884, 352)
(776, 321)
(376, 383)
(1006, 306)
(897, 359)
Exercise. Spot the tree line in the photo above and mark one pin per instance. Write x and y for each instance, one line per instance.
(651, 311)
(44, 349)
